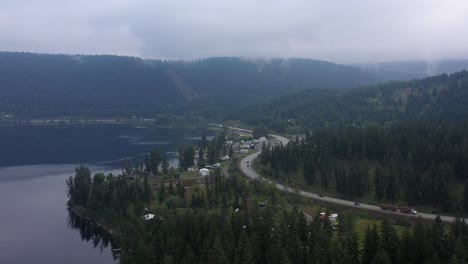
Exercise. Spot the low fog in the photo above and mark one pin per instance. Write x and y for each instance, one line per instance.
(340, 31)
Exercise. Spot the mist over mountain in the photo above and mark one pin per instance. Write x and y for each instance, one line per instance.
(41, 85)
(406, 70)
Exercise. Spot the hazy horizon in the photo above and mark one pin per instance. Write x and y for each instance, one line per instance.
(242, 57)
(343, 32)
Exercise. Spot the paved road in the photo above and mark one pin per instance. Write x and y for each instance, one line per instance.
(246, 168)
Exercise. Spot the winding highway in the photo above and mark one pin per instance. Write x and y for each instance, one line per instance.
(246, 168)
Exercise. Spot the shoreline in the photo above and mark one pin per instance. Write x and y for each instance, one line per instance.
(84, 214)
(138, 125)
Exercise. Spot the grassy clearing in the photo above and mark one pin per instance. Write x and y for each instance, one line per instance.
(360, 219)
(188, 174)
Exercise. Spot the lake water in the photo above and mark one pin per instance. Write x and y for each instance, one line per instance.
(35, 226)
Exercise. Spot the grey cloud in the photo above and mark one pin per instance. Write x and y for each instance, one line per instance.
(341, 31)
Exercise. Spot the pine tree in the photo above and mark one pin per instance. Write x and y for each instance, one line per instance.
(407, 248)
(378, 183)
(353, 247)
(381, 258)
(371, 242)
(148, 191)
(390, 240)
(165, 165)
(171, 188)
(161, 192)
(465, 196)
(217, 254)
(245, 249)
(421, 243)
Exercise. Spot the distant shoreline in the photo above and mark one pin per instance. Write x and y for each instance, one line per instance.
(70, 121)
(136, 123)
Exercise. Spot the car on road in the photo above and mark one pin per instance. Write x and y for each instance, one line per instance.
(357, 203)
(248, 165)
(321, 195)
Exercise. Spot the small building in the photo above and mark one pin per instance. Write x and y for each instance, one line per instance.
(333, 217)
(204, 172)
(225, 158)
(147, 217)
(322, 215)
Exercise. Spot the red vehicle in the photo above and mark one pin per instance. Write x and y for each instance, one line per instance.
(405, 210)
(408, 210)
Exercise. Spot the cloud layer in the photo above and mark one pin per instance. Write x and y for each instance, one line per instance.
(342, 31)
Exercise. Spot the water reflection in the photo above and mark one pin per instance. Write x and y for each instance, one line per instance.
(90, 232)
(34, 163)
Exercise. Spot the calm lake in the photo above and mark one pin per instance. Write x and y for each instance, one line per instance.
(35, 226)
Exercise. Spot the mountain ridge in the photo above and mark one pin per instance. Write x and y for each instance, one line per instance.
(45, 85)
(438, 98)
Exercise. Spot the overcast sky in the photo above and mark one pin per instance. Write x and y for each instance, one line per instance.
(341, 31)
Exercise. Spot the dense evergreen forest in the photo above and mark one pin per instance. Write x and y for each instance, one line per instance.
(399, 142)
(413, 163)
(439, 98)
(222, 222)
(41, 85)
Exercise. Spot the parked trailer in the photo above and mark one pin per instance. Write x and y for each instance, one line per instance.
(405, 210)
(388, 207)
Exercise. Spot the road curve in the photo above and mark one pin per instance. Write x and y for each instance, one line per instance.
(246, 168)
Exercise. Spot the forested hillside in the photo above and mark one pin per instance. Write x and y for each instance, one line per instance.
(40, 85)
(400, 142)
(443, 97)
(414, 163)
